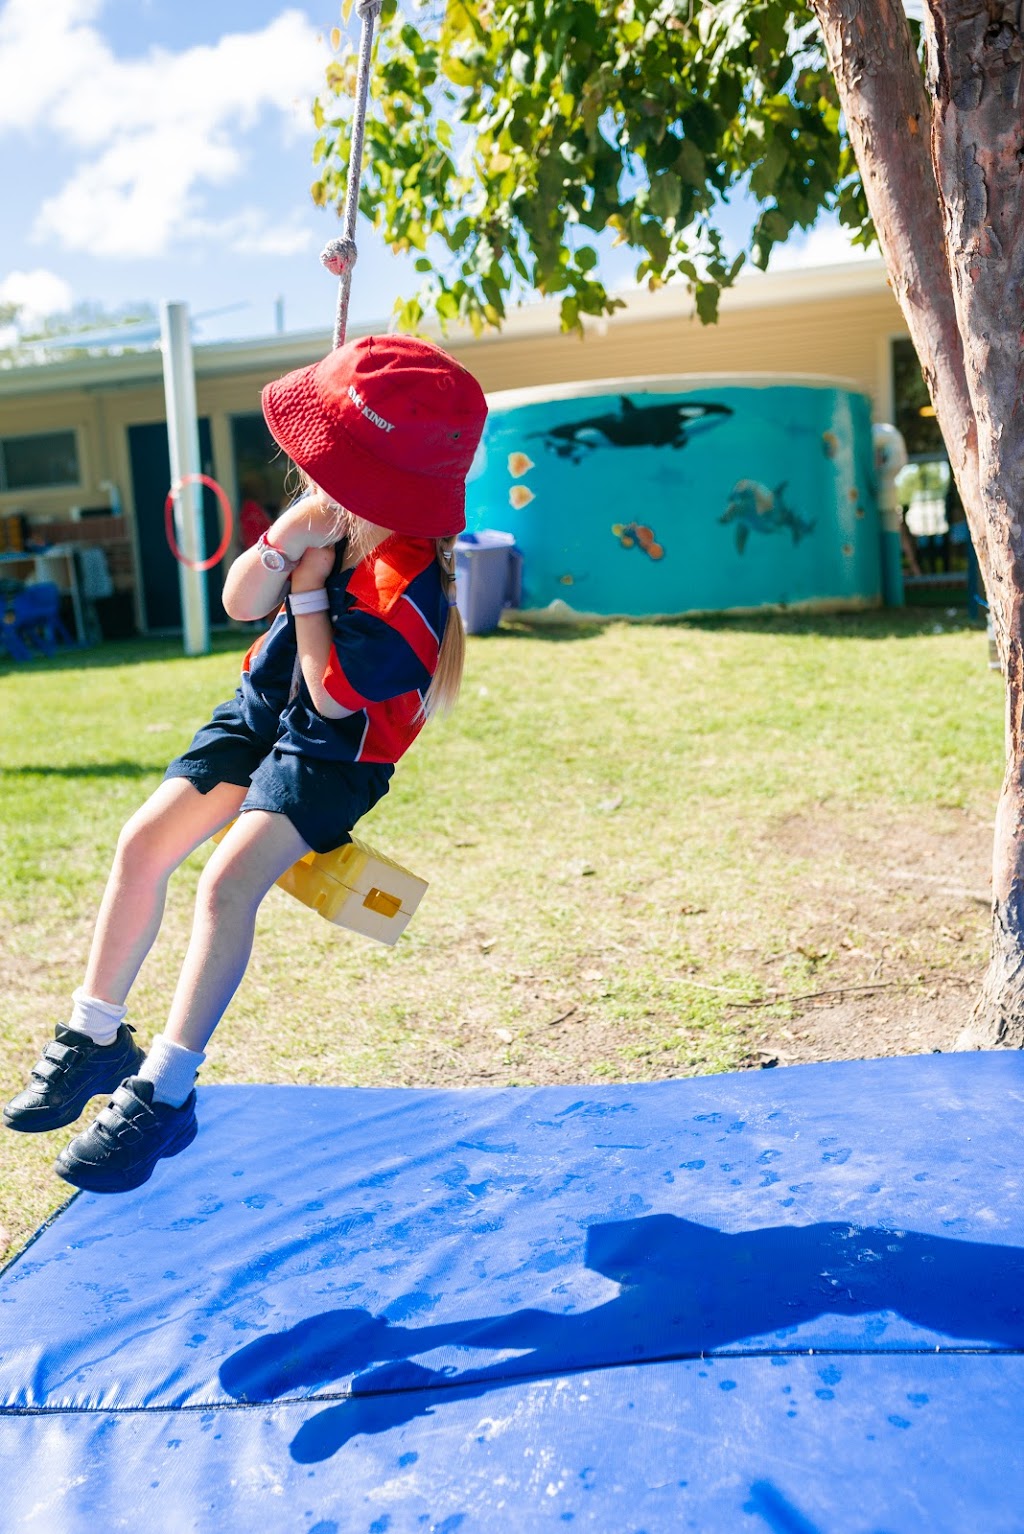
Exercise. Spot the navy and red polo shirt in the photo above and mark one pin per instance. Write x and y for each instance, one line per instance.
(388, 617)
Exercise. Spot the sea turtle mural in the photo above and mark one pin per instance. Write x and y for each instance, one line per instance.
(753, 508)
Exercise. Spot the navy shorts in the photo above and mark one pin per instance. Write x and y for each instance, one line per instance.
(322, 799)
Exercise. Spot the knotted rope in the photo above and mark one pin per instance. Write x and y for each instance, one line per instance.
(339, 256)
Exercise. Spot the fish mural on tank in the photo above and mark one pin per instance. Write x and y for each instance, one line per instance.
(635, 535)
(659, 425)
(753, 508)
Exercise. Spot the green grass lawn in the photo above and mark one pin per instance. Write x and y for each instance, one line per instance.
(630, 834)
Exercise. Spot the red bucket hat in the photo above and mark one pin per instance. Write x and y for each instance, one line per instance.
(388, 426)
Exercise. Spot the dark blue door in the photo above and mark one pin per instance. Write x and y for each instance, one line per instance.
(151, 480)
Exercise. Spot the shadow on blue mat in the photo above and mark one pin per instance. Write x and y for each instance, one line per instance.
(686, 1289)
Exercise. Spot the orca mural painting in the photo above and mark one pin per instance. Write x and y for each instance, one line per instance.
(632, 425)
(640, 497)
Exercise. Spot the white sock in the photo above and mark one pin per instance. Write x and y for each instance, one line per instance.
(98, 1020)
(172, 1070)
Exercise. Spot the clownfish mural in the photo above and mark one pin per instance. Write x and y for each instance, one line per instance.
(635, 535)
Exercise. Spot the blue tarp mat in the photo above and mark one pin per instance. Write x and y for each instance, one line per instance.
(861, 1445)
(567, 1301)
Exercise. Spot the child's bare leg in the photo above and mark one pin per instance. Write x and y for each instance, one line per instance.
(173, 822)
(253, 855)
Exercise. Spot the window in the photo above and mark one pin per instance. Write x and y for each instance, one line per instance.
(260, 465)
(911, 405)
(40, 461)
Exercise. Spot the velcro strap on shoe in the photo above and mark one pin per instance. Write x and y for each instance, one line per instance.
(115, 1125)
(47, 1070)
(125, 1109)
(60, 1054)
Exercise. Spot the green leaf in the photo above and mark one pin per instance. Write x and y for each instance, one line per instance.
(570, 313)
(706, 298)
(409, 314)
(689, 164)
(665, 195)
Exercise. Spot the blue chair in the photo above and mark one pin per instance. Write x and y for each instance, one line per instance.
(10, 640)
(35, 622)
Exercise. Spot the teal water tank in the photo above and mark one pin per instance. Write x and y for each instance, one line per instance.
(642, 497)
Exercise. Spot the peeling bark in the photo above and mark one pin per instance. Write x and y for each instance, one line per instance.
(976, 80)
(949, 209)
(888, 117)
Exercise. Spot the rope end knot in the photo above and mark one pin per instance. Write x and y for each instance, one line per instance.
(339, 256)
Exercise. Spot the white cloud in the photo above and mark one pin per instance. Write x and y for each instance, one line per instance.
(151, 134)
(827, 244)
(248, 233)
(36, 294)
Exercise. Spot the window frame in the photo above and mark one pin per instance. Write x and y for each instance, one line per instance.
(7, 490)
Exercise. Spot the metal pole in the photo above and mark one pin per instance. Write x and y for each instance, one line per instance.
(183, 441)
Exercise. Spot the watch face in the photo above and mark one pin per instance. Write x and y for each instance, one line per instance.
(272, 558)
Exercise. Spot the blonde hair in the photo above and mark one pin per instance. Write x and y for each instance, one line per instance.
(443, 691)
(362, 538)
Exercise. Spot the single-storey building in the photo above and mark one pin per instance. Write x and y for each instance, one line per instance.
(83, 443)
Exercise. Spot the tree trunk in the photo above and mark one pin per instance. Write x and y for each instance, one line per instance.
(942, 165)
(888, 117)
(976, 79)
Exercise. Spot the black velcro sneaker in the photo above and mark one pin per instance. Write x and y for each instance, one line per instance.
(123, 1144)
(71, 1069)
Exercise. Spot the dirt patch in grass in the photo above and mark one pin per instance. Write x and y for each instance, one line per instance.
(897, 927)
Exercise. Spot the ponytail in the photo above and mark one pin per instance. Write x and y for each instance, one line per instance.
(444, 688)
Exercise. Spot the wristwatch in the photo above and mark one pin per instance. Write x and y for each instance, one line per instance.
(273, 558)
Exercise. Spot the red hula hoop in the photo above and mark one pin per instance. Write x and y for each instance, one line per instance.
(225, 506)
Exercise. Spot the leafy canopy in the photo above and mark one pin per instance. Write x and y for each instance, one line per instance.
(504, 135)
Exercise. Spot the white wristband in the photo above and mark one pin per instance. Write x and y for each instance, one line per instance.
(309, 602)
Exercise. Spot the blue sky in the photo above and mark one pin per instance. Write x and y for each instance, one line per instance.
(158, 149)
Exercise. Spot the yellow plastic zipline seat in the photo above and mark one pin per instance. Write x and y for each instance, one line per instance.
(355, 887)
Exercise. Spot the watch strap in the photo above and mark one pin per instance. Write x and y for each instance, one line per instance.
(316, 601)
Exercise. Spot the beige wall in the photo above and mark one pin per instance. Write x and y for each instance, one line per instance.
(844, 339)
(829, 324)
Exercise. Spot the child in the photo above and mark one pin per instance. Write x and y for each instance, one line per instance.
(367, 645)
